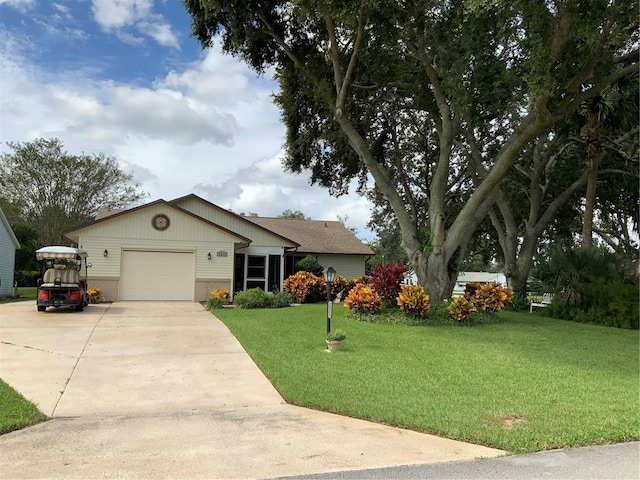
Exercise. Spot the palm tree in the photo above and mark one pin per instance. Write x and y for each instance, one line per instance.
(612, 113)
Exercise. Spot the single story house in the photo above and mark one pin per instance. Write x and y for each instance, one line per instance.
(464, 278)
(184, 248)
(8, 246)
(477, 277)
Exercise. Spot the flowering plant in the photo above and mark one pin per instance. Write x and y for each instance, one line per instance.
(220, 293)
(94, 294)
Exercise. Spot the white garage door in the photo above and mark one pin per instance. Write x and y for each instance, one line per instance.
(157, 275)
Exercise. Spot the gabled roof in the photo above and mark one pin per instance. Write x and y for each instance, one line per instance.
(147, 205)
(4, 220)
(309, 236)
(316, 236)
(213, 206)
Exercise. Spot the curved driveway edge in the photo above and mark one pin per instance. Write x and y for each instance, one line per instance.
(150, 390)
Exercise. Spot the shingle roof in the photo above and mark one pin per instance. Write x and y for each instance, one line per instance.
(316, 236)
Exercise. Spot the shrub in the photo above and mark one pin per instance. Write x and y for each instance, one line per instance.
(252, 298)
(518, 304)
(310, 264)
(94, 294)
(302, 284)
(461, 309)
(566, 270)
(281, 300)
(413, 301)
(26, 278)
(490, 297)
(363, 299)
(387, 278)
(606, 303)
(215, 303)
(220, 293)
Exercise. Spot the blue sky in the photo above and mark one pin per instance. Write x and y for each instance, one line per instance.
(125, 78)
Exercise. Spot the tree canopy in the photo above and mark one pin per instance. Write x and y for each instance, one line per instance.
(49, 190)
(433, 100)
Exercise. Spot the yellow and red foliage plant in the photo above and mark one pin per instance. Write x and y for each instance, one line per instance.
(413, 301)
(460, 309)
(300, 284)
(491, 297)
(220, 293)
(363, 299)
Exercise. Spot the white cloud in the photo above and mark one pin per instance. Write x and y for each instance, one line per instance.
(118, 15)
(21, 5)
(209, 128)
(264, 189)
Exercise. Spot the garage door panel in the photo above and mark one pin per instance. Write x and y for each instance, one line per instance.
(157, 275)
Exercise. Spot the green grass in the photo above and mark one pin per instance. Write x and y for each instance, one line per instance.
(16, 412)
(524, 384)
(26, 293)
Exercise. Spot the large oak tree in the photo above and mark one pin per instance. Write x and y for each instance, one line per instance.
(402, 90)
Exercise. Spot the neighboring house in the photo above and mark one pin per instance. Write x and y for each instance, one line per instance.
(477, 277)
(8, 245)
(463, 279)
(184, 248)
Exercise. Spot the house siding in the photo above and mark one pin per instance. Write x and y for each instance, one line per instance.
(347, 266)
(134, 232)
(7, 260)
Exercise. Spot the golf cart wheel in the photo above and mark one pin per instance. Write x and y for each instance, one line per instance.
(41, 308)
(79, 308)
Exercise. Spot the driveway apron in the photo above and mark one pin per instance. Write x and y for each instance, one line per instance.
(164, 390)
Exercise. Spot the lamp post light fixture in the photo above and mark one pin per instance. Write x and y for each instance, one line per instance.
(329, 275)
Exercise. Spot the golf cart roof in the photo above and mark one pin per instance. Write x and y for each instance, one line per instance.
(68, 253)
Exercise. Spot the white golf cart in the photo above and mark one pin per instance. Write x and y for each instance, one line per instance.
(62, 283)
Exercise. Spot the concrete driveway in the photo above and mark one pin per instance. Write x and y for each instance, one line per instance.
(163, 390)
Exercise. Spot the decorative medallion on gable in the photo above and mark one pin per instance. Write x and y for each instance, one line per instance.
(160, 222)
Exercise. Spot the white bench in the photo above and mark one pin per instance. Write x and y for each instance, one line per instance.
(547, 298)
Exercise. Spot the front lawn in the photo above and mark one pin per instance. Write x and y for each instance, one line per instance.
(26, 293)
(16, 412)
(524, 384)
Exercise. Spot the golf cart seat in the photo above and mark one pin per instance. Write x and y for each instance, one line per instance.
(68, 278)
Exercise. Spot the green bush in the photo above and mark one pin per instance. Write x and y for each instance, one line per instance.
(26, 278)
(281, 300)
(607, 303)
(215, 303)
(257, 298)
(252, 298)
(518, 304)
(311, 265)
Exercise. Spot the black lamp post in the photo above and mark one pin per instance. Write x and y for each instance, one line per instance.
(329, 274)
